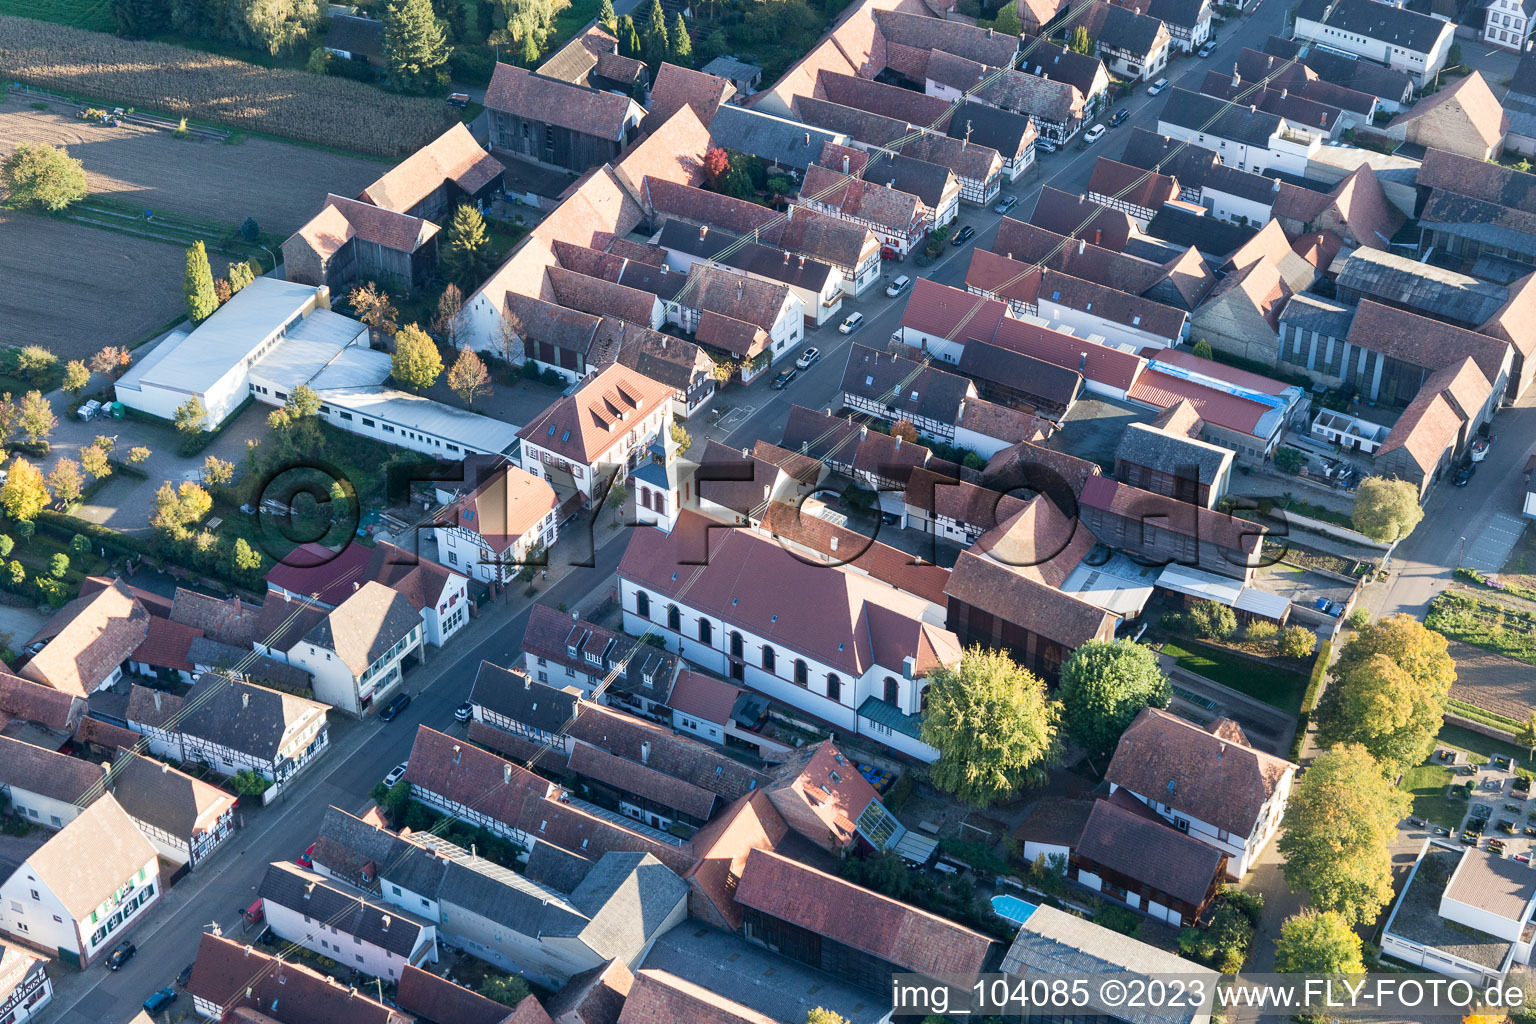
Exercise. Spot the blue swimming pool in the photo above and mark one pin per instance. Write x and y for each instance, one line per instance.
(1011, 908)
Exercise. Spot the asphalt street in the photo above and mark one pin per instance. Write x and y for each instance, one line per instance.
(362, 752)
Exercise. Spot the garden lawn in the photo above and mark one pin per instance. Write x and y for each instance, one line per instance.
(1427, 784)
(35, 553)
(1277, 687)
(1480, 747)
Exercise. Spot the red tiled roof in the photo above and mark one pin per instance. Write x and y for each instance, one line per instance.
(632, 777)
(505, 507)
(1146, 189)
(818, 784)
(1164, 758)
(1123, 500)
(848, 547)
(1018, 595)
(165, 645)
(1149, 851)
(911, 939)
(87, 639)
(453, 156)
(1039, 541)
(657, 997)
(601, 412)
(1218, 407)
(722, 846)
(820, 610)
(677, 87)
(1422, 341)
(383, 227)
(438, 999)
(866, 200)
(942, 311)
(703, 696)
(587, 111)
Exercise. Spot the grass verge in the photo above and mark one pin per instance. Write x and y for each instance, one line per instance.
(1281, 688)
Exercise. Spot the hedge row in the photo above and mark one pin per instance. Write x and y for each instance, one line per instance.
(1309, 698)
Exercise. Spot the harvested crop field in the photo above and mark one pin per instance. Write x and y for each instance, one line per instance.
(280, 185)
(75, 288)
(180, 82)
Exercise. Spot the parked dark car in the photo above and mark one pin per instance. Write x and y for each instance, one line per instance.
(394, 707)
(1464, 475)
(1118, 117)
(185, 975)
(964, 235)
(121, 955)
(159, 1001)
(782, 380)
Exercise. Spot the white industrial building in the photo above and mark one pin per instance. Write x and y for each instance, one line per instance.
(273, 336)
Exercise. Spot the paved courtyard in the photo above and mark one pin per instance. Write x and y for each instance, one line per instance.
(1489, 550)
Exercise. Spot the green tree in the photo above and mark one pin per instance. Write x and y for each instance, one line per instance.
(448, 324)
(17, 572)
(506, 989)
(468, 377)
(821, 1015)
(247, 558)
(415, 46)
(605, 15)
(277, 26)
(25, 529)
(1008, 22)
(137, 455)
(629, 38)
(177, 509)
(465, 255)
(76, 376)
(1289, 460)
(1297, 642)
(1260, 631)
(302, 403)
(79, 544)
(44, 177)
(191, 416)
(653, 35)
(1526, 736)
(34, 416)
(1390, 686)
(240, 275)
(681, 438)
(1104, 686)
(415, 363)
(7, 545)
(1080, 42)
(992, 724)
(1212, 621)
(136, 19)
(1202, 348)
(680, 52)
(66, 481)
(58, 565)
(1339, 824)
(217, 470)
(201, 300)
(24, 493)
(1318, 942)
(1386, 508)
(372, 306)
(96, 462)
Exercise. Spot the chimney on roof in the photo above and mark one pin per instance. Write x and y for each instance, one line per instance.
(506, 774)
(1284, 93)
(789, 212)
(845, 163)
(989, 33)
(1082, 246)
(164, 768)
(863, 431)
(703, 230)
(741, 285)
(645, 752)
(384, 924)
(1322, 119)
(1082, 361)
(1098, 235)
(157, 700)
(1237, 76)
(802, 262)
(891, 183)
(1253, 108)
(786, 259)
(245, 700)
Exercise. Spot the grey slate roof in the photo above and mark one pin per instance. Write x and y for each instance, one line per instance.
(1052, 941)
(1122, 28)
(515, 696)
(238, 715)
(762, 260)
(1520, 101)
(1142, 445)
(510, 898)
(1308, 312)
(1000, 129)
(366, 625)
(1193, 111)
(627, 896)
(1399, 280)
(556, 867)
(1355, 74)
(888, 380)
(288, 885)
(1374, 20)
(1210, 236)
(355, 35)
(153, 792)
(777, 140)
(915, 177)
(216, 655)
(354, 850)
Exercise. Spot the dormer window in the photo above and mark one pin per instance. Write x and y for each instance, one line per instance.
(571, 650)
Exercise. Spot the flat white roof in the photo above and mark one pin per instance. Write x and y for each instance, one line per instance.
(1183, 579)
(401, 409)
(311, 344)
(356, 367)
(1120, 585)
(195, 362)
